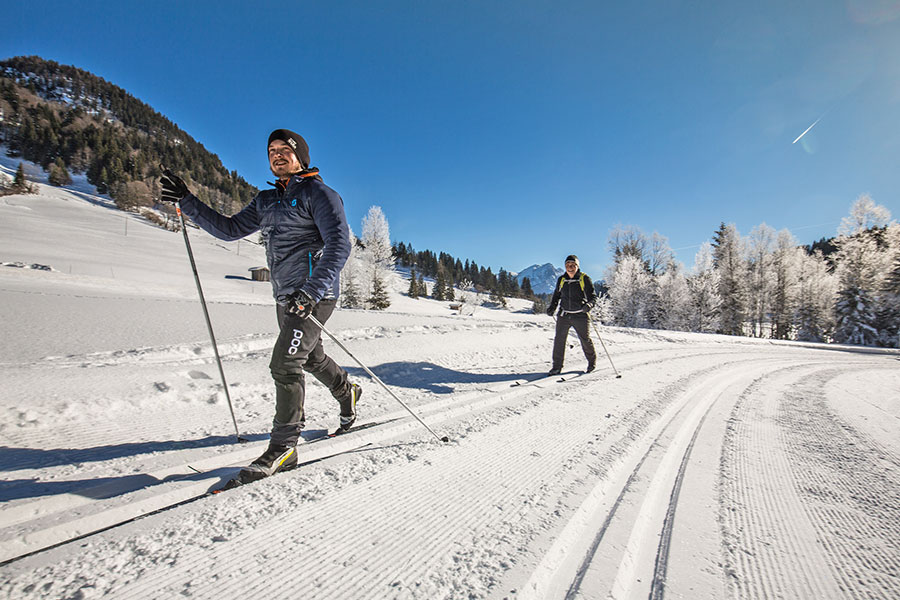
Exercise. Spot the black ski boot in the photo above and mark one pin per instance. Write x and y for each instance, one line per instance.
(274, 460)
(554, 371)
(591, 366)
(348, 408)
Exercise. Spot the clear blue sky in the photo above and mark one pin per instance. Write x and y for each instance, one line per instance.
(515, 133)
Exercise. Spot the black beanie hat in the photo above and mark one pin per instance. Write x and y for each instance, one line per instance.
(295, 141)
(574, 258)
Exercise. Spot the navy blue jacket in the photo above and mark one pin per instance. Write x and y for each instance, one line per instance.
(304, 230)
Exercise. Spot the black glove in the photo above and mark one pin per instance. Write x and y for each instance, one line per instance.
(550, 311)
(173, 187)
(299, 304)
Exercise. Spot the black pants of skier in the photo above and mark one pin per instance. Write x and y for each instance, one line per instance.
(298, 350)
(578, 321)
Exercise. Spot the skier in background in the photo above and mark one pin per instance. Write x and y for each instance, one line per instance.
(307, 242)
(574, 294)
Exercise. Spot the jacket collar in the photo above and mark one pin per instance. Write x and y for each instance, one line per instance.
(312, 172)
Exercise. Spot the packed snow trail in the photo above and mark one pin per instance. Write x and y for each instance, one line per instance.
(481, 517)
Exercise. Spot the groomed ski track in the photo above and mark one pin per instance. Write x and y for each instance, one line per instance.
(709, 470)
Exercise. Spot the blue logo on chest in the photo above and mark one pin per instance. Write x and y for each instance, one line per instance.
(294, 202)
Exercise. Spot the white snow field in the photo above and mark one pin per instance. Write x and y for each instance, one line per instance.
(715, 467)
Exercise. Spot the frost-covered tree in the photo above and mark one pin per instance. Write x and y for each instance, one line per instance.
(728, 257)
(653, 252)
(887, 315)
(603, 311)
(786, 263)
(351, 293)
(630, 289)
(670, 300)
(378, 256)
(861, 269)
(816, 289)
(703, 285)
(760, 245)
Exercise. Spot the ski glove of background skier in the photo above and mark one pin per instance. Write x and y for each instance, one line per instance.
(299, 304)
(173, 187)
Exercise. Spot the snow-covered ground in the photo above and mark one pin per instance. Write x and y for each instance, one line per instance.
(714, 467)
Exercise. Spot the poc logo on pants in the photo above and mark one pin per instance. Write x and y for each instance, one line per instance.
(295, 342)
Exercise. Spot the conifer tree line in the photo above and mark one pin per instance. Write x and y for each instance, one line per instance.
(845, 289)
(449, 273)
(70, 121)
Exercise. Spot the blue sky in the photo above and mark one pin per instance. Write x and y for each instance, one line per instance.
(515, 133)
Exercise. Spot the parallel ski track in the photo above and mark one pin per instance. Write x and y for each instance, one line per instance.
(432, 547)
(809, 506)
(420, 555)
(61, 533)
(659, 480)
(630, 569)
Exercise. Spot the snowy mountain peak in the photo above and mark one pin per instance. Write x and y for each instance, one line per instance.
(542, 277)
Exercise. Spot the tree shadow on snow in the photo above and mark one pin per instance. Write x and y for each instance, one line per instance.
(431, 377)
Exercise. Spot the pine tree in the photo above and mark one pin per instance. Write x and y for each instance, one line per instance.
(439, 282)
(497, 296)
(703, 285)
(413, 284)
(728, 259)
(351, 295)
(378, 255)
(526, 288)
(861, 273)
(378, 300)
(59, 175)
(816, 295)
(889, 316)
(20, 183)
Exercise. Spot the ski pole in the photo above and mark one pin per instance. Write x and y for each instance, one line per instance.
(376, 378)
(618, 376)
(212, 336)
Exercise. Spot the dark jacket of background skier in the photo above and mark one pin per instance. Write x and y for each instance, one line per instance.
(304, 230)
(569, 295)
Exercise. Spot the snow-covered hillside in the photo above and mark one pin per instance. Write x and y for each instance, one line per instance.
(714, 467)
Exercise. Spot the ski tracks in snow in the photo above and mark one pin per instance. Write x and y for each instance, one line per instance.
(697, 475)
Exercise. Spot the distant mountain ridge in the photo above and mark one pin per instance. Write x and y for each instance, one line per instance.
(541, 277)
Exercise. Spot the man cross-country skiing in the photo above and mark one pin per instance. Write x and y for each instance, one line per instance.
(575, 296)
(307, 242)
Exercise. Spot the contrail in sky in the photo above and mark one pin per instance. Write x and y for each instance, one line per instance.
(805, 132)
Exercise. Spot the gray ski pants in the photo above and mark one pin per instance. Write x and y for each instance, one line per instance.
(299, 349)
(578, 321)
